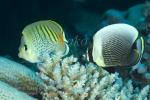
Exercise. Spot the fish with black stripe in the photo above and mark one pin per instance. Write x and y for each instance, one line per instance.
(116, 45)
(43, 39)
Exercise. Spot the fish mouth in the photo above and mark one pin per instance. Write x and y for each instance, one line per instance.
(19, 52)
(20, 55)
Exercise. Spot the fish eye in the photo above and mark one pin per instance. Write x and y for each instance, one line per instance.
(25, 47)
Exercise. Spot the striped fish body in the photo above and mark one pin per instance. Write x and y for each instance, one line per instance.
(42, 39)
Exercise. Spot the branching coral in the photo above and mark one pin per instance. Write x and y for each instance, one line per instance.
(69, 80)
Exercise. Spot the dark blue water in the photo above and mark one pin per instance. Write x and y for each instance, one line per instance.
(16, 14)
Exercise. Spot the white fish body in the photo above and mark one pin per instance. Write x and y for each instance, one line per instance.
(114, 45)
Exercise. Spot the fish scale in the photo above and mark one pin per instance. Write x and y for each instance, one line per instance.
(113, 45)
(43, 38)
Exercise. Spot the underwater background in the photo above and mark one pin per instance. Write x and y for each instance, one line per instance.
(72, 77)
(16, 14)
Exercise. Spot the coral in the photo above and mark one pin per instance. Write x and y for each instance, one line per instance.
(113, 16)
(19, 76)
(135, 18)
(137, 15)
(9, 93)
(70, 80)
(142, 18)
